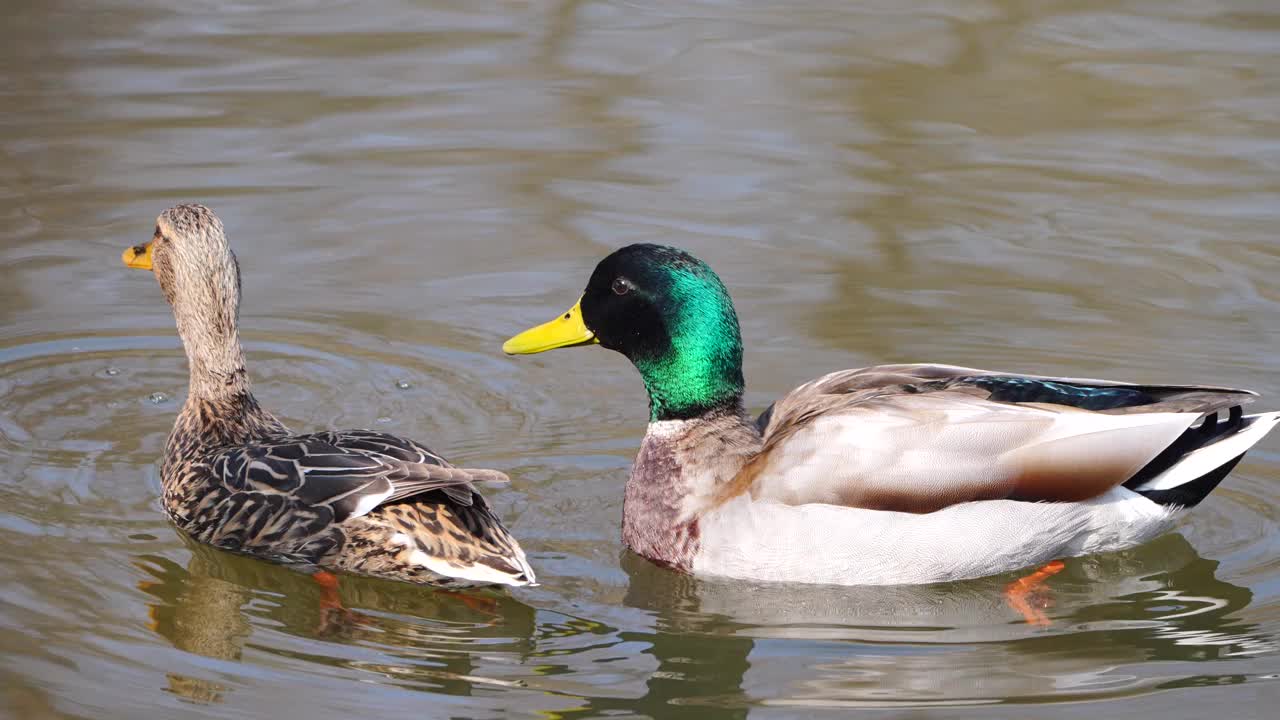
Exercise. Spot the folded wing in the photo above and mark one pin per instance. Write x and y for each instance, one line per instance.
(348, 473)
(917, 438)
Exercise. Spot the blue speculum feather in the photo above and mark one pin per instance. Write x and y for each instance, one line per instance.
(1085, 397)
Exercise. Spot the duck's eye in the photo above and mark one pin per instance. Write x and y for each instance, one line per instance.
(621, 286)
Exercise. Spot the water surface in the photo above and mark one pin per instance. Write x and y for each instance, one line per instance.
(1058, 187)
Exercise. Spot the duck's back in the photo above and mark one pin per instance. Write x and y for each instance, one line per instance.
(360, 501)
(919, 438)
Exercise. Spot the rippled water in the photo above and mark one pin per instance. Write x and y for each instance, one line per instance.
(1083, 188)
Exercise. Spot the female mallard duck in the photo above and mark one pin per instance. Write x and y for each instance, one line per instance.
(889, 474)
(234, 477)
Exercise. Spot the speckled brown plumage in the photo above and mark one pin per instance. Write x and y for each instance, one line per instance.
(358, 501)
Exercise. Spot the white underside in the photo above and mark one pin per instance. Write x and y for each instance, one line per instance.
(476, 573)
(818, 543)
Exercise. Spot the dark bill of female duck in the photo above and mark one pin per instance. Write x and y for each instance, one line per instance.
(567, 330)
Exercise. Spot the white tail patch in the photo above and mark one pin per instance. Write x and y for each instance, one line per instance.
(366, 504)
(1202, 461)
(477, 572)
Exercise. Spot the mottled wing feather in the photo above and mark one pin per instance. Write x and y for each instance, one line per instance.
(393, 507)
(917, 438)
(385, 446)
(349, 473)
(423, 471)
(467, 543)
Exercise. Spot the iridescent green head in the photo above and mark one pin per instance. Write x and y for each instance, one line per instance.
(668, 312)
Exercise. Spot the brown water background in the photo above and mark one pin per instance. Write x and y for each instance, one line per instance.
(1085, 188)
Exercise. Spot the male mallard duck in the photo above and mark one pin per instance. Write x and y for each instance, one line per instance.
(234, 477)
(893, 474)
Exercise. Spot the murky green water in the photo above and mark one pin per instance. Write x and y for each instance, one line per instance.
(1063, 187)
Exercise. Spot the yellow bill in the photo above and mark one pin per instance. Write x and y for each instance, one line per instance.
(138, 256)
(564, 331)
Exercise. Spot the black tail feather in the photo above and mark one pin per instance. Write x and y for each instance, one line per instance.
(1207, 432)
(1190, 494)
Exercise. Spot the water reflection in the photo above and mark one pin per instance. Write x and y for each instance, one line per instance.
(959, 642)
(428, 640)
(1037, 186)
(198, 613)
(725, 644)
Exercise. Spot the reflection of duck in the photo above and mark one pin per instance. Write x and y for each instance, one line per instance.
(821, 645)
(198, 613)
(426, 638)
(1116, 590)
(360, 501)
(885, 475)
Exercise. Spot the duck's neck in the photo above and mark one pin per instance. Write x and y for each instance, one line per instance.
(692, 364)
(217, 373)
(682, 467)
(211, 339)
(220, 408)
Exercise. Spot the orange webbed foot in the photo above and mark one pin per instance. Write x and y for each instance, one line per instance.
(334, 617)
(479, 603)
(1030, 595)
